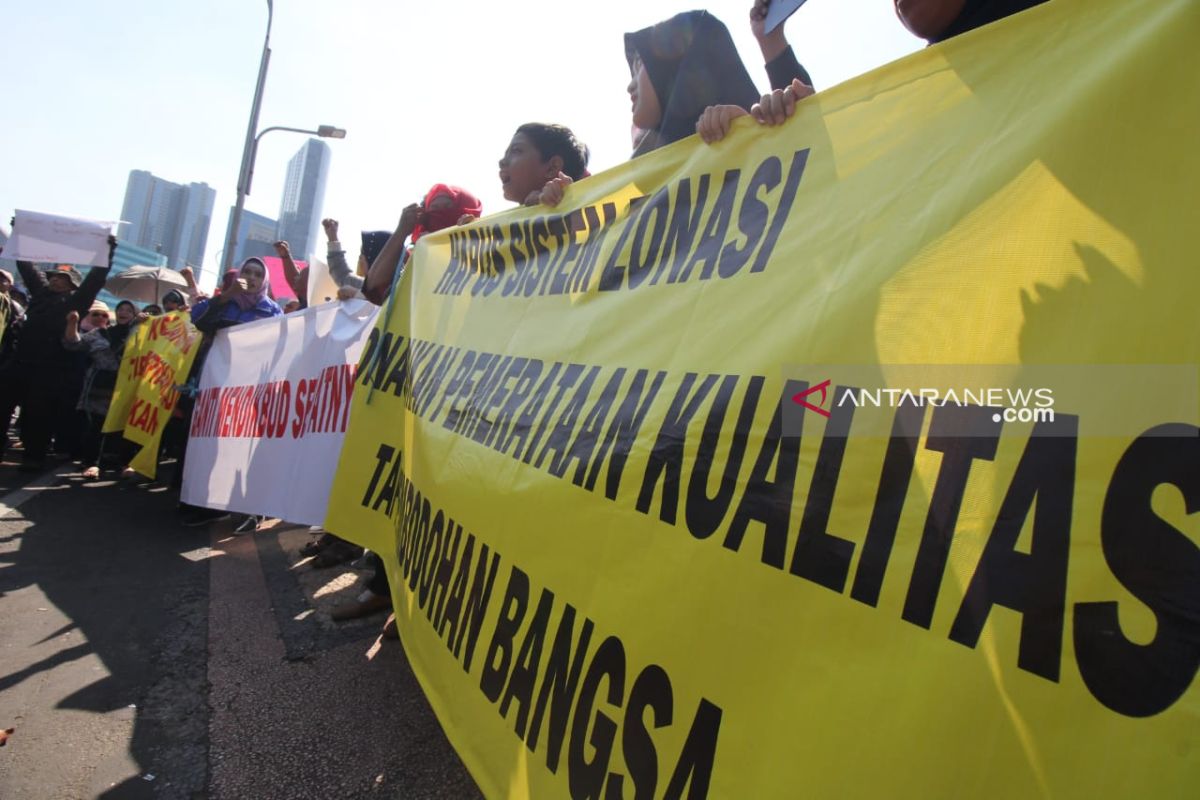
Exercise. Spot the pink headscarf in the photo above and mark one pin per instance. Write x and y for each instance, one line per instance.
(245, 300)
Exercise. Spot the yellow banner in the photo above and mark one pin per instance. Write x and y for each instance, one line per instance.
(856, 457)
(158, 356)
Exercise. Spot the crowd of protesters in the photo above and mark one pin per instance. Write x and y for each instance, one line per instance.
(60, 347)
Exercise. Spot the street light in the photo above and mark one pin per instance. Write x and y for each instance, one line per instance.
(247, 148)
(324, 131)
(250, 149)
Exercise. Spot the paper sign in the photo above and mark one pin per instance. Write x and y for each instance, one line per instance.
(41, 237)
(321, 288)
(778, 11)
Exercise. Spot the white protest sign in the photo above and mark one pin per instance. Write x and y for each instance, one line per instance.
(52, 238)
(321, 288)
(273, 403)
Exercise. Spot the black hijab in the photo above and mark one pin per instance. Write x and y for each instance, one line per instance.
(692, 64)
(117, 334)
(977, 13)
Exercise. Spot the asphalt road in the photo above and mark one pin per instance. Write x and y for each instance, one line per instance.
(143, 659)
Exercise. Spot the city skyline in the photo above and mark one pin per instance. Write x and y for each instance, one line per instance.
(166, 217)
(395, 149)
(303, 197)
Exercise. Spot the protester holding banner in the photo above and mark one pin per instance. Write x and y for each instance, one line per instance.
(105, 346)
(37, 380)
(539, 155)
(442, 207)
(174, 301)
(679, 68)
(244, 297)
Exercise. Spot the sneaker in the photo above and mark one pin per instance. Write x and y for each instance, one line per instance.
(249, 524)
(203, 516)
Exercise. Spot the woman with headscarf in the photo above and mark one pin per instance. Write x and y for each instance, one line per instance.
(442, 207)
(679, 68)
(105, 345)
(244, 297)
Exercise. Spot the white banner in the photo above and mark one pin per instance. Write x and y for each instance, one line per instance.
(51, 238)
(269, 420)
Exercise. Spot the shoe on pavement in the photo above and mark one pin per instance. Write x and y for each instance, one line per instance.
(203, 516)
(249, 524)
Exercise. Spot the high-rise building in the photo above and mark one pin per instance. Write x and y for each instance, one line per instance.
(169, 218)
(303, 196)
(255, 236)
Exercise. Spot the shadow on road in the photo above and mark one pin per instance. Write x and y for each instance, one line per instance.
(132, 582)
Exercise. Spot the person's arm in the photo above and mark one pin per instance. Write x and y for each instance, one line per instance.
(193, 290)
(290, 273)
(778, 57)
(379, 279)
(208, 315)
(71, 338)
(83, 297)
(335, 257)
(35, 281)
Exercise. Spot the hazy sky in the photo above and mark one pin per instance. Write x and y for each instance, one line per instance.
(427, 92)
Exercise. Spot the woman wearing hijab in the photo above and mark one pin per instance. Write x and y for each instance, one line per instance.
(244, 297)
(442, 207)
(679, 68)
(105, 346)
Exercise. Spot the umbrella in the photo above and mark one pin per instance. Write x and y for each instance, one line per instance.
(145, 284)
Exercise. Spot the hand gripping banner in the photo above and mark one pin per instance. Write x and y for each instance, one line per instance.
(855, 457)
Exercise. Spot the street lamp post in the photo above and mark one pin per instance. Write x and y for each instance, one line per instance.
(324, 131)
(247, 148)
(250, 149)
